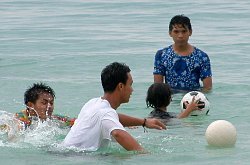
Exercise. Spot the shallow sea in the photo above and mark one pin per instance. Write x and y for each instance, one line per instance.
(66, 43)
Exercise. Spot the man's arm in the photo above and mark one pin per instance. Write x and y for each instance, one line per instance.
(127, 121)
(207, 84)
(126, 140)
(158, 78)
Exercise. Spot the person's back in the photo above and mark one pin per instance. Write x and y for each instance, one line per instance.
(91, 116)
(164, 116)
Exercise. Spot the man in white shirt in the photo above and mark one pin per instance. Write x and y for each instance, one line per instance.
(98, 120)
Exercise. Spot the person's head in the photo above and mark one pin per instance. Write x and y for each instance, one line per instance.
(180, 26)
(39, 99)
(180, 20)
(158, 95)
(116, 76)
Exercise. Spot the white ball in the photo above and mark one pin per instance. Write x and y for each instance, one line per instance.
(221, 133)
(198, 95)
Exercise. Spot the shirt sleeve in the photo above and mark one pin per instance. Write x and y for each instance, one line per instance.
(158, 65)
(205, 67)
(109, 123)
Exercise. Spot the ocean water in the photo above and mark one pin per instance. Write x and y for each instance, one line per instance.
(66, 43)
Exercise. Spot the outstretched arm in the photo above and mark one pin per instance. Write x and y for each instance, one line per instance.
(133, 121)
(126, 140)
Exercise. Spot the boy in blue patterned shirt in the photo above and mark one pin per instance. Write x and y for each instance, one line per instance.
(181, 64)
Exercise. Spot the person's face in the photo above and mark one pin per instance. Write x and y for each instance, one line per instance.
(127, 89)
(180, 34)
(43, 106)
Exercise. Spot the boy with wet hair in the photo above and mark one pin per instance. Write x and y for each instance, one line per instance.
(159, 97)
(39, 101)
(182, 65)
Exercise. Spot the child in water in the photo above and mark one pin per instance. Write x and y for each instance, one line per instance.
(39, 101)
(159, 97)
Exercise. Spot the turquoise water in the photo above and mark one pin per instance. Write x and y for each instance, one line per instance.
(66, 43)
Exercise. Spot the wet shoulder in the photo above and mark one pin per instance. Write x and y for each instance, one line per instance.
(164, 51)
(162, 114)
(199, 52)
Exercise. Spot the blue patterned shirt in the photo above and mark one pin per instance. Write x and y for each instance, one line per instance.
(182, 72)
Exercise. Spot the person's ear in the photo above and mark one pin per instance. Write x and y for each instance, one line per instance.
(169, 33)
(120, 86)
(190, 32)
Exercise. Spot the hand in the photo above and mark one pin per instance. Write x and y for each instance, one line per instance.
(194, 105)
(154, 124)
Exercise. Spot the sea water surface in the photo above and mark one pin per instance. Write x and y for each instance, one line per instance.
(66, 43)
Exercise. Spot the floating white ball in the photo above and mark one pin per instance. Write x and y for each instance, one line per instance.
(204, 109)
(221, 133)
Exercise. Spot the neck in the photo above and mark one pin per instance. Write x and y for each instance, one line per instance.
(162, 109)
(183, 49)
(112, 99)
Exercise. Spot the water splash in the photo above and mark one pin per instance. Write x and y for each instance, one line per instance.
(38, 134)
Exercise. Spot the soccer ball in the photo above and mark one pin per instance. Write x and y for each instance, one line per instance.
(198, 95)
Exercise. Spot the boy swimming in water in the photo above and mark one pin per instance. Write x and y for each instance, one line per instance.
(39, 101)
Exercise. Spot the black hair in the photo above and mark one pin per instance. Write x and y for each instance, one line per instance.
(180, 20)
(158, 95)
(33, 92)
(113, 74)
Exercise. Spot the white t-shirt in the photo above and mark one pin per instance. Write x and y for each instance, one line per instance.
(93, 126)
